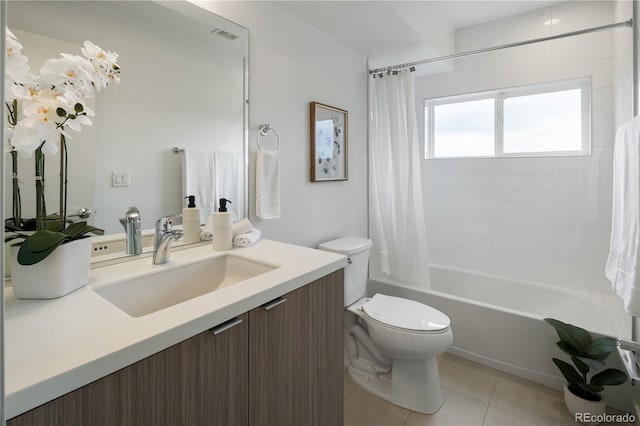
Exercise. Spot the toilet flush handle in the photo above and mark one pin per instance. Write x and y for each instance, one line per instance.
(349, 260)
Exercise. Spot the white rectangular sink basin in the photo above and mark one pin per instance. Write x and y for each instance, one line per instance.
(164, 288)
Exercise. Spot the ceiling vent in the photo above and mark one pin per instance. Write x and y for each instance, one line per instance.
(225, 34)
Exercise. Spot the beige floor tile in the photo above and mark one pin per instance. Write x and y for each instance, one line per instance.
(497, 417)
(365, 409)
(468, 378)
(457, 410)
(349, 386)
(528, 400)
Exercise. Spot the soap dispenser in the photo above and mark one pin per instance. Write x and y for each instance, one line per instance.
(191, 221)
(222, 227)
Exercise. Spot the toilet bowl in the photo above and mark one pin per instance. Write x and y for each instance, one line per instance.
(393, 342)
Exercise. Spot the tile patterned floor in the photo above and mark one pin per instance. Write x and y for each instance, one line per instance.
(474, 395)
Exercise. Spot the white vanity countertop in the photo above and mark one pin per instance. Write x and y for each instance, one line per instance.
(55, 346)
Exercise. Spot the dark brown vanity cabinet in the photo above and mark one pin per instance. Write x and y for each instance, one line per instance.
(277, 365)
(296, 357)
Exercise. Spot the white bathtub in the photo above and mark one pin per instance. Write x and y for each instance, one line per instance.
(498, 322)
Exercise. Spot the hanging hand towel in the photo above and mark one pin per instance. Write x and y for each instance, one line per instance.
(267, 185)
(226, 181)
(198, 180)
(622, 263)
(247, 239)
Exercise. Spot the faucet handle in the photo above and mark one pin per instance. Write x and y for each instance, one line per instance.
(164, 224)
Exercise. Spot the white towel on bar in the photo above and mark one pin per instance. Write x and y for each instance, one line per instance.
(267, 184)
(227, 185)
(198, 180)
(623, 262)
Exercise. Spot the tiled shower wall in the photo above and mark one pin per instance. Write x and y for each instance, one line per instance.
(536, 219)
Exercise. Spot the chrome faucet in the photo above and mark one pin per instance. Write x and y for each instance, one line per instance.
(131, 224)
(162, 241)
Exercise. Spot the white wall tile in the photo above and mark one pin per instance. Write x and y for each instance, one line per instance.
(457, 237)
(538, 219)
(522, 166)
(465, 263)
(516, 265)
(519, 181)
(523, 207)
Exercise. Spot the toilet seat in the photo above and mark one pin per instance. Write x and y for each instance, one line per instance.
(405, 314)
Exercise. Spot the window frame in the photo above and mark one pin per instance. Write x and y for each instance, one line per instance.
(499, 95)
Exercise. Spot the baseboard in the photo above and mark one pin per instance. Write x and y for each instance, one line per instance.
(505, 367)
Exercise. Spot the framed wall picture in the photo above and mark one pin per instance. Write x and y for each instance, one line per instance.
(328, 143)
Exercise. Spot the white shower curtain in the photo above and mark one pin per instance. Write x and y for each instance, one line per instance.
(397, 225)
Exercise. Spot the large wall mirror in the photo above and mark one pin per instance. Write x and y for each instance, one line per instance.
(183, 85)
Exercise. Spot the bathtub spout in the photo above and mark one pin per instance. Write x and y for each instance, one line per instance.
(359, 334)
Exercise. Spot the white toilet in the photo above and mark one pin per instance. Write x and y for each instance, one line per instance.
(393, 343)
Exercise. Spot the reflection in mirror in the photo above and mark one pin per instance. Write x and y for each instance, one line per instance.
(183, 84)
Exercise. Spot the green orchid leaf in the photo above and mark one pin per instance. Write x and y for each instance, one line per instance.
(609, 377)
(43, 240)
(577, 337)
(568, 371)
(78, 229)
(39, 245)
(15, 236)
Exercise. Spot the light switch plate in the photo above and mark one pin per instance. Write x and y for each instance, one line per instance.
(120, 178)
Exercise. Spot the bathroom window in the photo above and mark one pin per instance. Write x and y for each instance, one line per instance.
(551, 119)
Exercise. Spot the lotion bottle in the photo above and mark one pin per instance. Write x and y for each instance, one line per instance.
(222, 233)
(191, 221)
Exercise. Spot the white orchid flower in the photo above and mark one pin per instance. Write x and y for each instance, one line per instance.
(70, 70)
(25, 139)
(105, 65)
(17, 68)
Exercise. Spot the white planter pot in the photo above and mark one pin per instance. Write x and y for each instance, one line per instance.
(577, 405)
(64, 270)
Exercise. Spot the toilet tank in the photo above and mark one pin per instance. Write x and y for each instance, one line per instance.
(355, 274)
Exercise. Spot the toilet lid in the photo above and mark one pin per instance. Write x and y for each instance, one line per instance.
(404, 313)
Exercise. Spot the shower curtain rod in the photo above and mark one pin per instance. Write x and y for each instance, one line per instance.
(628, 23)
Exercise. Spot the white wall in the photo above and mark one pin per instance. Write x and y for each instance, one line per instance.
(292, 64)
(536, 219)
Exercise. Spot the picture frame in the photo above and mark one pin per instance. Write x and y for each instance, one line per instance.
(329, 143)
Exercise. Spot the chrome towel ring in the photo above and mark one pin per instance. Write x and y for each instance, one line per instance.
(264, 130)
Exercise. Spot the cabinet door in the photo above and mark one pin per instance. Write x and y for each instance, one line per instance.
(295, 357)
(201, 381)
(215, 382)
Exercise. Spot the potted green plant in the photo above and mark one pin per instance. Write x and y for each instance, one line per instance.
(582, 393)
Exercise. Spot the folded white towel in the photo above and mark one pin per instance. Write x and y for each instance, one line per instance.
(198, 179)
(622, 263)
(267, 185)
(247, 239)
(207, 231)
(241, 227)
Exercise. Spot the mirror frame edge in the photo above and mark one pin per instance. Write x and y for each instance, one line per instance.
(3, 22)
